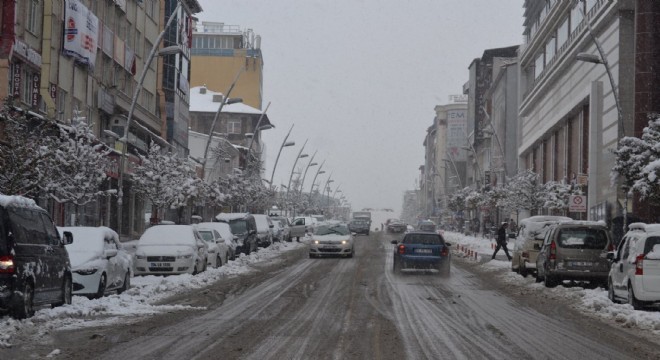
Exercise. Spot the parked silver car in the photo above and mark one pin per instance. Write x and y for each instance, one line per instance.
(529, 240)
(575, 250)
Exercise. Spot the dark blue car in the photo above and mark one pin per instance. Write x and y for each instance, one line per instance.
(422, 250)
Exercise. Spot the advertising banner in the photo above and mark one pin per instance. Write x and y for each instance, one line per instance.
(456, 130)
(81, 32)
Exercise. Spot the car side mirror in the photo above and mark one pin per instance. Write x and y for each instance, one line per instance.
(394, 242)
(110, 253)
(271, 226)
(448, 244)
(67, 238)
(611, 256)
(537, 247)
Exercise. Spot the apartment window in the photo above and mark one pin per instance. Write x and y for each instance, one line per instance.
(234, 126)
(550, 49)
(539, 65)
(147, 100)
(33, 17)
(138, 43)
(591, 4)
(562, 33)
(26, 87)
(576, 16)
(149, 8)
(109, 14)
(118, 79)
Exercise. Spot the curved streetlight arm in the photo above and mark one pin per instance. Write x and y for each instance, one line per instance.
(129, 118)
(288, 187)
(307, 168)
(256, 129)
(499, 144)
(217, 114)
(315, 176)
(284, 143)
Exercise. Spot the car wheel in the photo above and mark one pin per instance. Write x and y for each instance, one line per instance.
(102, 285)
(195, 272)
(523, 270)
(610, 291)
(311, 256)
(218, 261)
(67, 293)
(444, 269)
(551, 281)
(351, 254)
(24, 307)
(632, 300)
(127, 283)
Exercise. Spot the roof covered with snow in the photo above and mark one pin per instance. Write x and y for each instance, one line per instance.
(230, 216)
(17, 201)
(201, 100)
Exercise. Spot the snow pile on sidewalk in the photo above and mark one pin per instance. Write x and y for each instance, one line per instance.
(590, 301)
(482, 246)
(140, 299)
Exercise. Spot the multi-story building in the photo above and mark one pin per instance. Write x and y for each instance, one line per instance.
(220, 53)
(235, 136)
(176, 71)
(569, 111)
(482, 72)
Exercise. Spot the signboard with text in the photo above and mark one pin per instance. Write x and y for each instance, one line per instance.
(577, 203)
(81, 32)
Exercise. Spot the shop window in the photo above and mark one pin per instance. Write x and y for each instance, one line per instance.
(562, 33)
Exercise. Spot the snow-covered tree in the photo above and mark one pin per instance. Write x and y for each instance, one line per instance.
(524, 191)
(25, 155)
(456, 201)
(558, 194)
(78, 165)
(637, 162)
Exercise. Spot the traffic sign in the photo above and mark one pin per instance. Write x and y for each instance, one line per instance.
(577, 203)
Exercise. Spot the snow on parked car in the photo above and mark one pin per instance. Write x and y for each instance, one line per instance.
(99, 263)
(170, 249)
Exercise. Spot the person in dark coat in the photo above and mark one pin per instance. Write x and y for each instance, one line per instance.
(501, 241)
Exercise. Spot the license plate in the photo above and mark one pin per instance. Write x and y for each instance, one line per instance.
(327, 247)
(423, 251)
(159, 264)
(581, 263)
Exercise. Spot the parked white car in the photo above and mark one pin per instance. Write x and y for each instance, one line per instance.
(218, 250)
(635, 271)
(98, 261)
(170, 249)
(227, 236)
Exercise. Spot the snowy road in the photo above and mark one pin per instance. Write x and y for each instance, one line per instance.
(300, 308)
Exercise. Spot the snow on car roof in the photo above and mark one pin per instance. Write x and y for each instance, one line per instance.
(18, 201)
(223, 228)
(230, 216)
(168, 235)
(87, 238)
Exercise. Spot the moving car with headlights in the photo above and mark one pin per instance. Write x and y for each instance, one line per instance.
(422, 250)
(244, 226)
(218, 250)
(331, 240)
(99, 263)
(227, 236)
(574, 250)
(529, 240)
(634, 274)
(29, 241)
(169, 250)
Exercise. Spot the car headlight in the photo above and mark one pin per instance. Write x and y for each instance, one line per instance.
(316, 242)
(189, 256)
(344, 242)
(86, 271)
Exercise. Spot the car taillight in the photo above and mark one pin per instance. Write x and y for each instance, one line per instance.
(610, 247)
(445, 251)
(553, 251)
(639, 265)
(7, 264)
(402, 249)
(525, 254)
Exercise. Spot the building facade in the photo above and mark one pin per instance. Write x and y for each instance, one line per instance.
(568, 110)
(222, 52)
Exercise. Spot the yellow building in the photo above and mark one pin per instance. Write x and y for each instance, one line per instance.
(219, 53)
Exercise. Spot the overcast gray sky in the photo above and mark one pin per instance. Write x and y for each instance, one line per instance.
(360, 80)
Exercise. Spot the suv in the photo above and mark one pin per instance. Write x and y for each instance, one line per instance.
(34, 265)
(264, 232)
(574, 250)
(635, 271)
(243, 226)
(529, 240)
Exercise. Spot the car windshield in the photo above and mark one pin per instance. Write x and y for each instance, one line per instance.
(427, 227)
(238, 226)
(582, 238)
(207, 235)
(423, 239)
(332, 229)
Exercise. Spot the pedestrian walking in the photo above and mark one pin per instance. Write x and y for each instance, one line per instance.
(501, 241)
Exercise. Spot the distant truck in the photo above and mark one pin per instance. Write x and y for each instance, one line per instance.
(362, 215)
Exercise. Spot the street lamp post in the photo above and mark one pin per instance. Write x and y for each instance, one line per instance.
(299, 156)
(225, 100)
(318, 171)
(257, 128)
(309, 164)
(602, 59)
(154, 49)
(284, 144)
